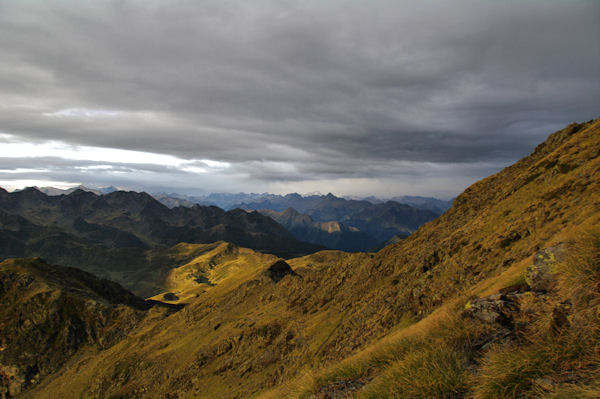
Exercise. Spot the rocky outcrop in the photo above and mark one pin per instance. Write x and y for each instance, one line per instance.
(498, 308)
(503, 310)
(278, 271)
(540, 275)
(499, 311)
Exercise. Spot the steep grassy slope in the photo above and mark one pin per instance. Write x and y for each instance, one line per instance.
(535, 340)
(244, 336)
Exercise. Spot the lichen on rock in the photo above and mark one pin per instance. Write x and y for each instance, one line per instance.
(540, 275)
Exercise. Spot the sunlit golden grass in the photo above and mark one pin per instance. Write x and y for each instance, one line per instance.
(426, 360)
(197, 268)
(430, 371)
(440, 341)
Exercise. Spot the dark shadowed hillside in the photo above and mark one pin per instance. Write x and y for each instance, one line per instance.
(49, 313)
(376, 223)
(336, 223)
(379, 220)
(334, 235)
(130, 219)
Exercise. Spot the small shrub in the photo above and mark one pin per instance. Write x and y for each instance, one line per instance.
(380, 358)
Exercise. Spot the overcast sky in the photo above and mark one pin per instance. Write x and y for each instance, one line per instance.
(354, 97)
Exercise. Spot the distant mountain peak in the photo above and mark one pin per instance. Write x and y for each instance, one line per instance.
(31, 189)
(290, 211)
(82, 192)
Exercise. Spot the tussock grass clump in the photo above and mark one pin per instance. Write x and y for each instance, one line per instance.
(582, 269)
(436, 365)
(430, 363)
(535, 370)
(381, 356)
(570, 391)
(359, 367)
(432, 371)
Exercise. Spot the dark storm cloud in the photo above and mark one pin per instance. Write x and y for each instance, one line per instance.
(292, 91)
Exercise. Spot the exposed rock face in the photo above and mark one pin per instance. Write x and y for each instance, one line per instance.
(169, 296)
(279, 270)
(500, 311)
(503, 308)
(496, 308)
(540, 275)
(510, 312)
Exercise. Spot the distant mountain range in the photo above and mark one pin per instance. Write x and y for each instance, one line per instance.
(275, 202)
(58, 191)
(348, 224)
(430, 203)
(115, 235)
(332, 234)
(335, 222)
(299, 202)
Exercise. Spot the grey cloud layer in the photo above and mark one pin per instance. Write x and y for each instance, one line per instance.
(292, 90)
